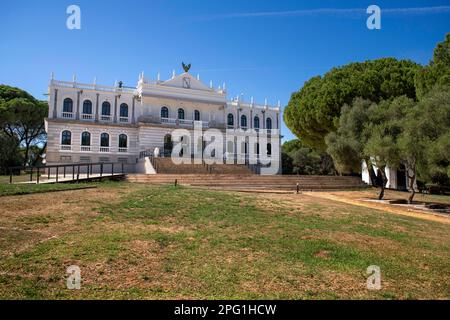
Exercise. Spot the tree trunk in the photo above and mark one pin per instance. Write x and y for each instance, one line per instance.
(382, 172)
(27, 150)
(371, 171)
(412, 179)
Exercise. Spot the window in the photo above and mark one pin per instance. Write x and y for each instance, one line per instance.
(197, 115)
(87, 107)
(106, 108)
(104, 140)
(244, 121)
(180, 114)
(124, 110)
(68, 105)
(256, 122)
(123, 141)
(230, 119)
(268, 124)
(164, 112)
(85, 139)
(257, 148)
(66, 138)
(269, 149)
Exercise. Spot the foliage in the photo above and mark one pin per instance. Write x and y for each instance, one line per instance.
(300, 159)
(346, 144)
(9, 152)
(438, 70)
(431, 122)
(313, 111)
(22, 118)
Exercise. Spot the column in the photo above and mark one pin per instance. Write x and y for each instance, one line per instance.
(55, 105)
(96, 108)
(115, 109)
(77, 115)
(132, 111)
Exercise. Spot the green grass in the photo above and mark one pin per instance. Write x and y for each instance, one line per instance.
(175, 242)
(20, 189)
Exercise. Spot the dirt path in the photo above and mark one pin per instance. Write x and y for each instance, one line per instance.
(345, 198)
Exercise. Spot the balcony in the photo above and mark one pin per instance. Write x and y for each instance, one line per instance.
(68, 115)
(123, 150)
(65, 147)
(85, 148)
(87, 116)
(104, 149)
(123, 119)
(106, 118)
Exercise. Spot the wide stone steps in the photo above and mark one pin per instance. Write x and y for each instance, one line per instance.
(245, 181)
(166, 166)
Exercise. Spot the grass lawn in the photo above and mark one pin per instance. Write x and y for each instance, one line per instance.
(20, 189)
(135, 241)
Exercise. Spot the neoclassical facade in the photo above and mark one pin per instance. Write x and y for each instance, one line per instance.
(97, 123)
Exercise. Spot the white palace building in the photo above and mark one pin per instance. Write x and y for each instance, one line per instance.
(97, 123)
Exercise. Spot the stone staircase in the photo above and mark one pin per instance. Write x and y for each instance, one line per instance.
(166, 166)
(253, 182)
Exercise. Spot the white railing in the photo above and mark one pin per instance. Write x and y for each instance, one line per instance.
(169, 120)
(204, 124)
(85, 86)
(87, 116)
(123, 119)
(104, 149)
(105, 118)
(85, 148)
(185, 121)
(65, 147)
(67, 115)
(123, 150)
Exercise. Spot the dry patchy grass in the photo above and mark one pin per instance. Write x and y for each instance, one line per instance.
(135, 241)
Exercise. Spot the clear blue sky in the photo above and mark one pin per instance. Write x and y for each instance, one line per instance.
(259, 48)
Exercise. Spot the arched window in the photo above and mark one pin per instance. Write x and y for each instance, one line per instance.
(230, 120)
(164, 112)
(124, 110)
(66, 138)
(68, 105)
(256, 122)
(87, 107)
(123, 141)
(85, 139)
(269, 149)
(181, 114)
(106, 108)
(268, 124)
(244, 121)
(197, 115)
(104, 140)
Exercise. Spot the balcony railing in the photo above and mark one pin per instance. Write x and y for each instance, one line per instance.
(123, 119)
(123, 150)
(67, 115)
(87, 116)
(85, 148)
(105, 117)
(104, 149)
(65, 147)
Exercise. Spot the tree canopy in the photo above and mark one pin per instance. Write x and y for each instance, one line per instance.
(437, 72)
(313, 112)
(22, 118)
